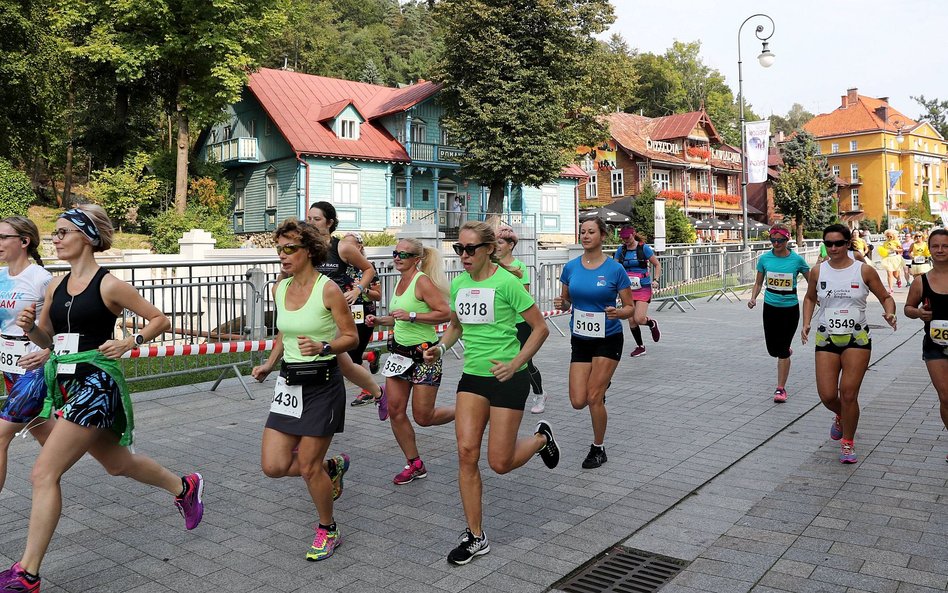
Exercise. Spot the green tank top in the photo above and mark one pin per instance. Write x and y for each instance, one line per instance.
(406, 332)
(313, 320)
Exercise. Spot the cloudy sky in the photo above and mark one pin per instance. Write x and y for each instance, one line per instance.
(823, 47)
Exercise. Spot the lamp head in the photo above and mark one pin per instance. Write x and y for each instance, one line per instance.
(766, 57)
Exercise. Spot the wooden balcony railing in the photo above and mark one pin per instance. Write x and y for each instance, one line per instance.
(243, 150)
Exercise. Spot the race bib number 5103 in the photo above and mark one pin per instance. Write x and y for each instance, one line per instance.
(475, 305)
(589, 324)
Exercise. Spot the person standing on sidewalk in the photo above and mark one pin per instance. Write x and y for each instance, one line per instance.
(779, 268)
(506, 242)
(592, 283)
(635, 256)
(928, 300)
(841, 286)
(418, 304)
(495, 383)
(314, 324)
(74, 330)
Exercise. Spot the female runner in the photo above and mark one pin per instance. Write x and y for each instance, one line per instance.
(919, 253)
(418, 304)
(506, 242)
(635, 256)
(928, 300)
(779, 268)
(591, 284)
(21, 283)
(77, 322)
(309, 401)
(843, 345)
(891, 252)
(494, 386)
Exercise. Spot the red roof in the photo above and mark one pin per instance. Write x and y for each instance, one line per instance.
(680, 125)
(632, 132)
(863, 114)
(573, 171)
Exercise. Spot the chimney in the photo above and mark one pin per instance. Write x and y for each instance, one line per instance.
(843, 104)
(884, 100)
(852, 96)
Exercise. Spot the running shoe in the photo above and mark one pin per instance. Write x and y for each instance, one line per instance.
(550, 453)
(836, 430)
(362, 399)
(780, 395)
(539, 403)
(324, 544)
(337, 468)
(656, 333)
(191, 505)
(847, 453)
(595, 458)
(382, 403)
(14, 579)
(413, 471)
(374, 357)
(639, 351)
(898, 283)
(469, 546)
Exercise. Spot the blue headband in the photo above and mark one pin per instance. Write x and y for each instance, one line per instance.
(84, 224)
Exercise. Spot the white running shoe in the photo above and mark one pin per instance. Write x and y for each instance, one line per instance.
(539, 403)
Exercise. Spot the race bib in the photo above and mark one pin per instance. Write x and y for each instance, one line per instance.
(589, 324)
(358, 313)
(287, 399)
(938, 331)
(66, 344)
(919, 259)
(840, 321)
(636, 282)
(475, 305)
(10, 353)
(396, 364)
(780, 281)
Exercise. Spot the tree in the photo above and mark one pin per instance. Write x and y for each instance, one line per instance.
(122, 191)
(793, 121)
(612, 77)
(16, 194)
(805, 183)
(371, 73)
(936, 113)
(513, 78)
(678, 229)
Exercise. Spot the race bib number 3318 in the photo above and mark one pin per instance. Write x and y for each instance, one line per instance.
(475, 305)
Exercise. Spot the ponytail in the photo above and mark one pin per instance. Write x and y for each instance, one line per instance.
(433, 267)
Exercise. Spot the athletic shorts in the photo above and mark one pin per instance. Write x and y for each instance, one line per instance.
(324, 410)
(365, 334)
(643, 294)
(422, 373)
(585, 349)
(510, 394)
(780, 325)
(93, 399)
(25, 396)
(932, 351)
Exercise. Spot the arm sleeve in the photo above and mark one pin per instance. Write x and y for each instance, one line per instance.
(518, 298)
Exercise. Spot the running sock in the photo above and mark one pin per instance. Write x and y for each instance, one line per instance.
(846, 442)
(331, 466)
(185, 488)
(330, 527)
(637, 334)
(30, 578)
(600, 446)
(651, 323)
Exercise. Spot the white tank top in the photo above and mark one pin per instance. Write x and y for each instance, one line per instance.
(842, 297)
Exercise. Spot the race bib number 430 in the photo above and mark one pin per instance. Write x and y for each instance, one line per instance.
(287, 399)
(475, 305)
(10, 353)
(589, 324)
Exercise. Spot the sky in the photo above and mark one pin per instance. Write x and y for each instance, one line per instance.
(822, 47)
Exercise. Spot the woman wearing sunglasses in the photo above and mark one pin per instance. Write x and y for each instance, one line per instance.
(841, 286)
(591, 285)
(309, 399)
(778, 270)
(495, 383)
(342, 254)
(85, 383)
(418, 303)
(22, 282)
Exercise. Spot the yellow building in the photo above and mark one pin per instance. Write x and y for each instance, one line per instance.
(865, 141)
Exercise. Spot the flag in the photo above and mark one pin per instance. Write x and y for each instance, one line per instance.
(658, 241)
(894, 178)
(757, 138)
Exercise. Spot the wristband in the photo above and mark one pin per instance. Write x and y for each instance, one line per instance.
(443, 348)
(359, 286)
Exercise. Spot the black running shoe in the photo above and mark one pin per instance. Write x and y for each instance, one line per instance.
(595, 458)
(469, 547)
(550, 453)
(374, 363)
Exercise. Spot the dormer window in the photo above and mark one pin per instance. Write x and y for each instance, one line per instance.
(349, 129)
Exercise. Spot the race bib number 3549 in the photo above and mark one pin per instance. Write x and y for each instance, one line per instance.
(475, 305)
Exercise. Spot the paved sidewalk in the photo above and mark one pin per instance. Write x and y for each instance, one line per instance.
(703, 466)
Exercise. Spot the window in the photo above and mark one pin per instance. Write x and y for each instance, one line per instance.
(239, 185)
(618, 182)
(854, 172)
(591, 190)
(252, 128)
(661, 180)
(345, 186)
(834, 147)
(228, 132)
(550, 198)
(589, 165)
(445, 137)
(852, 145)
(703, 181)
(348, 129)
(267, 127)
(419, 131)
(271, 189)
(401, 192)
(855, 194)
(714, 184)
(643, 175)
(835, 170)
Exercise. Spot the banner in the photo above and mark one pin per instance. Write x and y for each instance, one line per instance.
(658, 242)
(757, 134)
(894, 178)
(944, 213)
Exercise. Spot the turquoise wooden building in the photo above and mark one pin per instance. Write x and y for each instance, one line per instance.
(378, 154)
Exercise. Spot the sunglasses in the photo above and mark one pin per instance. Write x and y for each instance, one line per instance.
(289, 248)
(841, 243)
(778, 240)
(9, 236)
(468, 249)
(61, 233)
(403, 255)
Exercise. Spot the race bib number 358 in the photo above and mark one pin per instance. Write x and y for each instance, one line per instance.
(475, 305)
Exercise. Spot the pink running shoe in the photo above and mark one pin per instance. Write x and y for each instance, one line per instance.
(836, 431)
(14, 579)
(413, 471)
(653, 326)
(639, 351)
(191, 505)
(324, 544)
(780, 395)
(847, 453)
(382, 403)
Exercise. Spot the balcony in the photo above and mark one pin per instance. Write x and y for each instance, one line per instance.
(434, 153)
(857, 180)
(234, 151)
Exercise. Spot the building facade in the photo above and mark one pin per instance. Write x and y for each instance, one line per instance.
(378, 154)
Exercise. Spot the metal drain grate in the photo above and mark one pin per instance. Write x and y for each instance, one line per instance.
(623, 571)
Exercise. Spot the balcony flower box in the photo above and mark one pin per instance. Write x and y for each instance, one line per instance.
(698, 152)
(699, 196)
(669, 194)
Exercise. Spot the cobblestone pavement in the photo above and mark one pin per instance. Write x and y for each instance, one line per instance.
(703, 466)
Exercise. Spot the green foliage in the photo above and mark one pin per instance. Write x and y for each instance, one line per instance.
(122, 191)
(16, 193)
(920, 211)
(166, 228)
(678, 228)
(205, 192)
(870, 225)
(378, 239)
(805, 185)
(612, 77)
(794, 120)
(936, 113)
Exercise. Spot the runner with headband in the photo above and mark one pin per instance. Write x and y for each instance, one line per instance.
(635, 256)
(75, 329)
(592, 283)
(778, 269)
(494, 386)
(841, 286)
(418, 304)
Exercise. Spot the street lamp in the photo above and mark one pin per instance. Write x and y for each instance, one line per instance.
(885, 160)
(766, 59)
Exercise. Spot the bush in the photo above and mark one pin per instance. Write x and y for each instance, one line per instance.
(167, 228)
(378, 239)
(124, 191)
(209, 193)
(678, 228)
(16, 193)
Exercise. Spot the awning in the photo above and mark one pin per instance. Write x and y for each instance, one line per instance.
(852, 216)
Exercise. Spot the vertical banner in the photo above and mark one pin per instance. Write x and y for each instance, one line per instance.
(943, 212)
(658, 242)
(757, 134)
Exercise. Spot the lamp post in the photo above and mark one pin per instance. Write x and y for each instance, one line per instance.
(766, 59)
(885, 160)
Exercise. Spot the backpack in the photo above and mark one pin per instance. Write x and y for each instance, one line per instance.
(639, 255)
